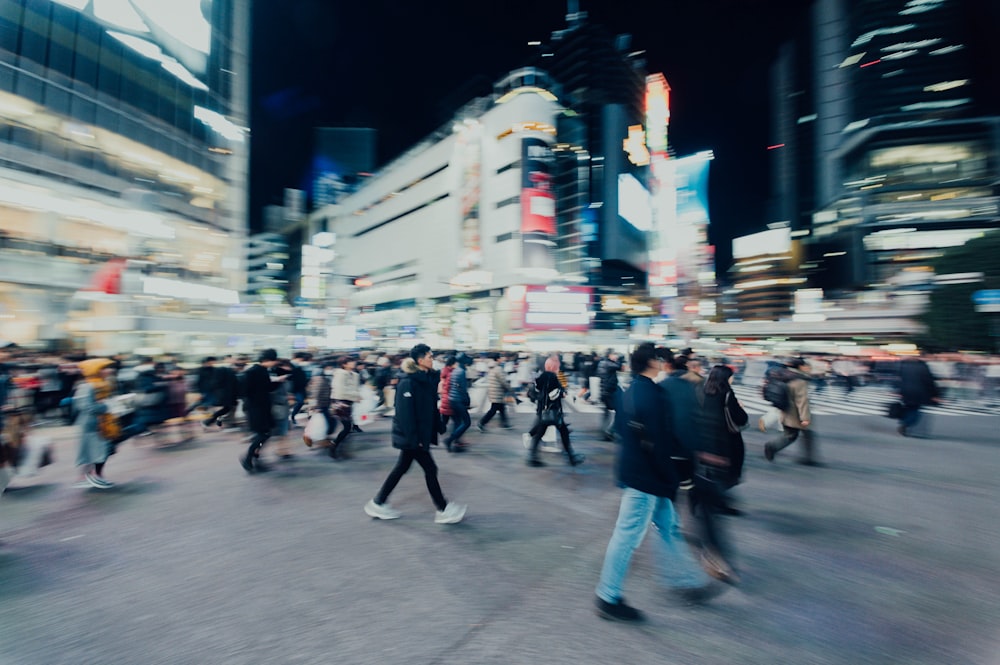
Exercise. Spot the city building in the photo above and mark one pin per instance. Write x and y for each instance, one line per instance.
(887, 137)
(122, 175)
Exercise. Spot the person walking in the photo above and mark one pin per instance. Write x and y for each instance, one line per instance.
(415, 428)
(225, 390)
(719, 467)
(320, 390)
(459, 401)
(204, 384)
(257, 388)
(795, 417)
(299, 382)
(444, 385)
(607, 371)
(281, 408)
(497, 389)
(917, 388)
(346, 391)
(647, 470)
(549, 412)
(97, 426)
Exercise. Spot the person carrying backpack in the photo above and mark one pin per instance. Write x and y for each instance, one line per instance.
(795, 416)
(774, 390)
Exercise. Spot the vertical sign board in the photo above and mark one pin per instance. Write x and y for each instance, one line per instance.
(538, 204)
(469, 160)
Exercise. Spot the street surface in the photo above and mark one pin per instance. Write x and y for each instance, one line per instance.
(887, 554)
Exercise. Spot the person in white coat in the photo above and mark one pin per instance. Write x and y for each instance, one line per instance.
(345, 392)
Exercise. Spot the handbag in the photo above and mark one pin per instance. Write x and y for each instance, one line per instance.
(730, 423)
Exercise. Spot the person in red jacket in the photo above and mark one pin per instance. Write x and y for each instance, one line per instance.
(444, 405)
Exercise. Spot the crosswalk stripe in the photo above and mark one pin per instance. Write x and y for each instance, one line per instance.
(867, 400)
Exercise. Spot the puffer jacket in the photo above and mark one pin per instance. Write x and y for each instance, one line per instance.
(458, 389)
(498, 386)
(443, 387)
(416, 421)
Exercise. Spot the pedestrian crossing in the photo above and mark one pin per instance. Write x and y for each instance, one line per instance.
(863, 401)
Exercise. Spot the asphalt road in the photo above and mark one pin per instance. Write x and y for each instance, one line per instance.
(887, 554)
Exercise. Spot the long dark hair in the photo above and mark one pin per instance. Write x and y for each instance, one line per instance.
(717, 382)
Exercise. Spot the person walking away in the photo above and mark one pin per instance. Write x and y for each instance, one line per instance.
(459, 401)
(225, 391)
(607, 371)
(299, 378)
(204, 384)
(497, 389)
(549, 412)
(346, 392)
(647, 470)
(917, 388)
(97, 426)
(415, 428)
(795, 417)
(383, 375)
(257, 389)
(719, 466)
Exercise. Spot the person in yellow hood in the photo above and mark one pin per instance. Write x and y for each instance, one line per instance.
(98, 426)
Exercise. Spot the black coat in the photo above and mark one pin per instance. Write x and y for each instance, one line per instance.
(916, 383)
(716, 438)
(684, 408)
(257, 385)
(646, 462)
(417, 421)
(225, 386)
(544, 384)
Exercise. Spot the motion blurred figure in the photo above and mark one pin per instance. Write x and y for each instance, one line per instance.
(795, 417)
(917, 388)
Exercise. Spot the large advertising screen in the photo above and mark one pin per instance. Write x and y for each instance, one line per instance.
(557, 307)
(538, 204)
(175, 33)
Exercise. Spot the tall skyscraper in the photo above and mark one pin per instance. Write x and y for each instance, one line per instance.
(887, 135)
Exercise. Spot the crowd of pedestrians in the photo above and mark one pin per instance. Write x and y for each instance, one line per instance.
(674, 415)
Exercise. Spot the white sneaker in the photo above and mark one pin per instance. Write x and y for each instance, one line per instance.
(452, 514)
(97, 482)
(382, 512)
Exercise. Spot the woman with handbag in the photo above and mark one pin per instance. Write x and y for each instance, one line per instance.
(719, 466)
(549, 411)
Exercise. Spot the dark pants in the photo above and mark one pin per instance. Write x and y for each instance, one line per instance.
(495, 408)
(426, 462)
(205, 401)
(911, 415)
(256, 443)
(708, 499)
(463, 421)
(300, 400)
(219, 414)
(789, 436)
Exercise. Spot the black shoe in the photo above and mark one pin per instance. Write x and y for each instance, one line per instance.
(506, 427)
(768, 452)
(288, 456)
(576, 459)
(700, 594)
(809, 462)
(481, 428)
(534, 461)
(355, 428)
(247, 464)
(333, 452)
(457, 448)
(732, 511)
(617, 611)
(260, 466)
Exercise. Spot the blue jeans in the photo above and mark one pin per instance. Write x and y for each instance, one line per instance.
(911, 415)
(637, 510)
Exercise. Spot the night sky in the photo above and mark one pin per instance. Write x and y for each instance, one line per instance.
(404, 67)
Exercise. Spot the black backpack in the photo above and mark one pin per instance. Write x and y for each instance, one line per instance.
(776, 391)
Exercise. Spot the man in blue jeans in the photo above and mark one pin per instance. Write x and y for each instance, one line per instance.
(650, 465)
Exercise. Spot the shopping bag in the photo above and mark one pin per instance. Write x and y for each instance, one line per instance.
(315, 429)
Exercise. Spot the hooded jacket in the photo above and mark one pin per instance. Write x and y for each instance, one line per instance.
(416, 423)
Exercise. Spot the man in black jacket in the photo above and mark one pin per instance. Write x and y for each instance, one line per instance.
(204, 384)
(257, 387)
(225, 390)
(415, 427)
(917, 388)
(647, 467)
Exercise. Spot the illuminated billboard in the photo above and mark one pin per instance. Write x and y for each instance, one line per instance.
(679, 252)
(774, 241)
(657, 113)
(557, 307)
(538, 204)
(175, 33)
(468, 162)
